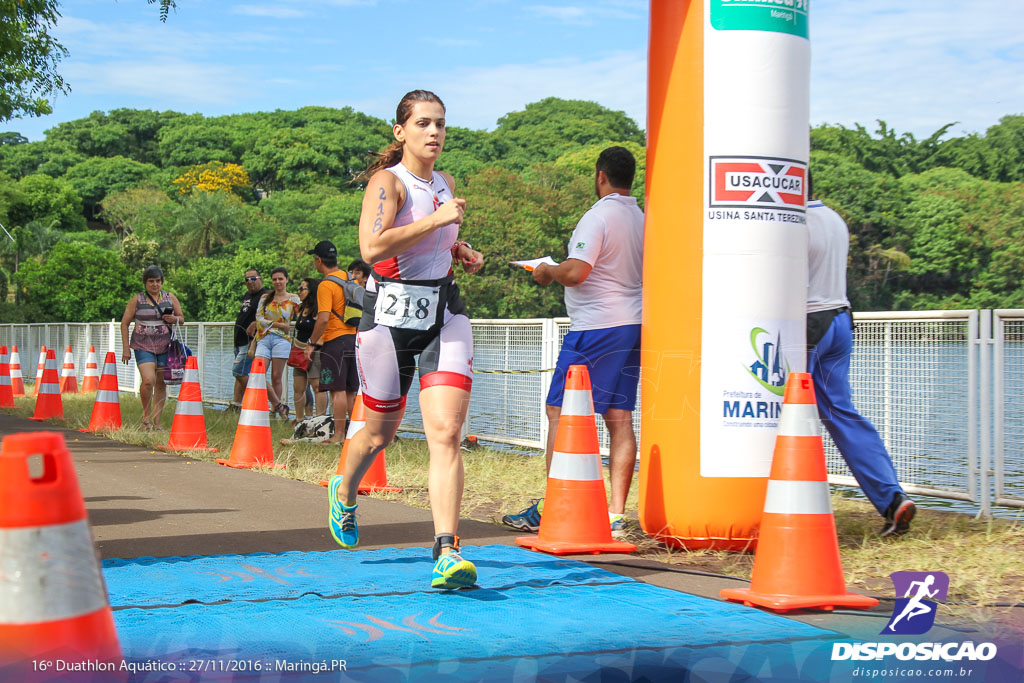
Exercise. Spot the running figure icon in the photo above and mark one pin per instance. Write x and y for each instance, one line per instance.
(915, 607)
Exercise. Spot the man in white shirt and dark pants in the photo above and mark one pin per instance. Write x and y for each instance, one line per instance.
(602, 278)
(829, 344)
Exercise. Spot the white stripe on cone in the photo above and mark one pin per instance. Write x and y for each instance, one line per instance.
(799, 419)
(254, 418)
(257, 380)
(107, 396)
(575, 466)
(69, 365)
(48, 388)
(798, 498)
(5, 380)
(190, 408)
(110, 369)
(50, 573)
(577, 402)
(191, 376)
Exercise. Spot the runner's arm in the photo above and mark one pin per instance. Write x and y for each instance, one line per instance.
(379, 240)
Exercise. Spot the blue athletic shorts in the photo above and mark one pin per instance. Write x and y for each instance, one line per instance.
(612, 357)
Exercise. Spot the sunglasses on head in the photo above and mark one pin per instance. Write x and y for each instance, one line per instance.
(252, 279)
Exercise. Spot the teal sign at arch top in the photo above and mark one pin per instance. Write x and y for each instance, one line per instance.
(780, 16)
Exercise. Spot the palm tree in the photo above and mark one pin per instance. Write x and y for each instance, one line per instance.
(207, 220)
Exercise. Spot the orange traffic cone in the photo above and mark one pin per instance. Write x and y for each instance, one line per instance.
(54, 599)
(17, 381)
(188, 431)
(575, 518)
(797, 564)
(376, 478)
(106, 409)
(6, 392)
(91, 379)
(68, 380)
(48, 401)
(39, 371)
(253, 445)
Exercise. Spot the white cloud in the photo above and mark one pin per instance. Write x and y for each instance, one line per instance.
(577, 14)
(174, 84)
(477, 96)
(272, 11)
(917, 68)
(86, 39)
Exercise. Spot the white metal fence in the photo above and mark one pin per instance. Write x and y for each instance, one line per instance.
(944, 388)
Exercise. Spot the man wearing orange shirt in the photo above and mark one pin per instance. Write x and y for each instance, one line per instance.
(333, 337)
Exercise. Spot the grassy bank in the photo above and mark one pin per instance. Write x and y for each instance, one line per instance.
(984, 558)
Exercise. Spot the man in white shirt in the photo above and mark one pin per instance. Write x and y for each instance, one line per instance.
(602, 278)
(829, 344)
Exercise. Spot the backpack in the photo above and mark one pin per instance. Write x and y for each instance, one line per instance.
(353, 300)
(315, 429)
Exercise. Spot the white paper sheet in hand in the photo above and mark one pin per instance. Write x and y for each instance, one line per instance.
(533, 263)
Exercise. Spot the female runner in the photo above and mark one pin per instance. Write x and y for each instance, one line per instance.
(408, 231)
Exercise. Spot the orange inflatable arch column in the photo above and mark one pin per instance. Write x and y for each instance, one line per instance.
(725, 260)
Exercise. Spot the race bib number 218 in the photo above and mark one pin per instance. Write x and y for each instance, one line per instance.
(411, 307)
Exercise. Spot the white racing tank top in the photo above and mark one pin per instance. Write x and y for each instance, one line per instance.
(431, 257)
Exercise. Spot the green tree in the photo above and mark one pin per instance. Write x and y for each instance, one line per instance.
(193, 140)
(548, 129)
(129, 133)
(92, 282)
(96, 177)
(53, 201)
(28, 58)
(137, 253)
(295, 208)
(337, 220)
(207, 221)
(143, 210)
(512, 217)
(582, 162)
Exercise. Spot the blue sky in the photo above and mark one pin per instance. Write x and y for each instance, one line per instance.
(917, 64)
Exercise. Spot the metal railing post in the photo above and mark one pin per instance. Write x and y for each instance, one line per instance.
(200, 353)
(548, 354)
(998, 399)
(972, 405)
(887, 382)
(984, 411)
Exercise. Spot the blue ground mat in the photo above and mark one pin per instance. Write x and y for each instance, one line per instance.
(297, 616)
(462, 632)
(150, 581)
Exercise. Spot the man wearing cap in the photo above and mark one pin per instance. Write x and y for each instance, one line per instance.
(245, 327)
(335, 339)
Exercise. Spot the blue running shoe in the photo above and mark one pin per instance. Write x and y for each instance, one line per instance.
(528, 519)
(451, 571)
(343, 518)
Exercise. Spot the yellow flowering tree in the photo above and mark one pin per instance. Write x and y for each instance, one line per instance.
(214, 176)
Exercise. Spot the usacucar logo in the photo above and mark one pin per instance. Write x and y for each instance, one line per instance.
(757, 182)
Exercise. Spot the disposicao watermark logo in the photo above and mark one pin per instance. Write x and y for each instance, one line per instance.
(914, 614)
